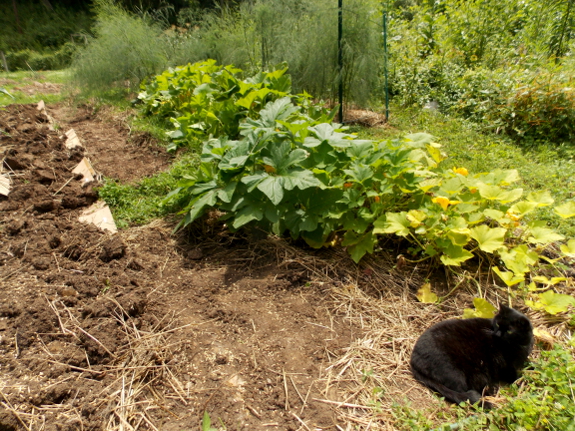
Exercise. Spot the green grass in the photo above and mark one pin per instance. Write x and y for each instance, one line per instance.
(155, 126)
(140, 203)
(547, 167)
(13, 80)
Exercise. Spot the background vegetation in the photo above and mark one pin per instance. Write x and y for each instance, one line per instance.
(507, 66)
(252, 36)
(42, 35)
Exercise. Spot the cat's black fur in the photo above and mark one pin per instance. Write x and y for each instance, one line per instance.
(460, 358)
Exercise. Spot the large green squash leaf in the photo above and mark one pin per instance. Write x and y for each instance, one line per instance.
(396, 223)
(455, 255)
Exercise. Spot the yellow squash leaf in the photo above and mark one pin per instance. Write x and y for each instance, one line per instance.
(566, 210)
(482, 309)
(415, 217)
(424, 294)
(569, 248)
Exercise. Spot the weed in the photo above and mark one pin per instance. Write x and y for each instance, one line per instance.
(142, 202)
(207, 424)
(410, 419)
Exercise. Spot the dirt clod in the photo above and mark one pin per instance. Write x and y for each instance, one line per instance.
(113, 249)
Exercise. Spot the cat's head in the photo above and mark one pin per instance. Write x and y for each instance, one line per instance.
(512, 326)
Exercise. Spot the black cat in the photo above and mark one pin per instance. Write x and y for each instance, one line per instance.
(460, 358)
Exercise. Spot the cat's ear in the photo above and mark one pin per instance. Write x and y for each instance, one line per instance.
(503, 308)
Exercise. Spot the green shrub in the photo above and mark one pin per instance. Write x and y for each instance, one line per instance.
(479, 91)
(64, 55)
(541, 110)
(40, 29)
(531, 106)
(417, 81)
(479, 59)
(17, 60)
(126, 49)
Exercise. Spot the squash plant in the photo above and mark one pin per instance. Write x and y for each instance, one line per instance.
(292, 174)
(205, 99)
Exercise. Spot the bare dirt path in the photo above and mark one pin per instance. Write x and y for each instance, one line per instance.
(110, 144)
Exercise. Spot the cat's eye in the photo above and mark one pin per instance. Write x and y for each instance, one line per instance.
(510, 331)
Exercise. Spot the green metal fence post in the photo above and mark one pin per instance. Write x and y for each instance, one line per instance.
(385, 64)
(340, 56)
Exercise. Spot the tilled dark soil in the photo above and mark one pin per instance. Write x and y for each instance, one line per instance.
(143, 329)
